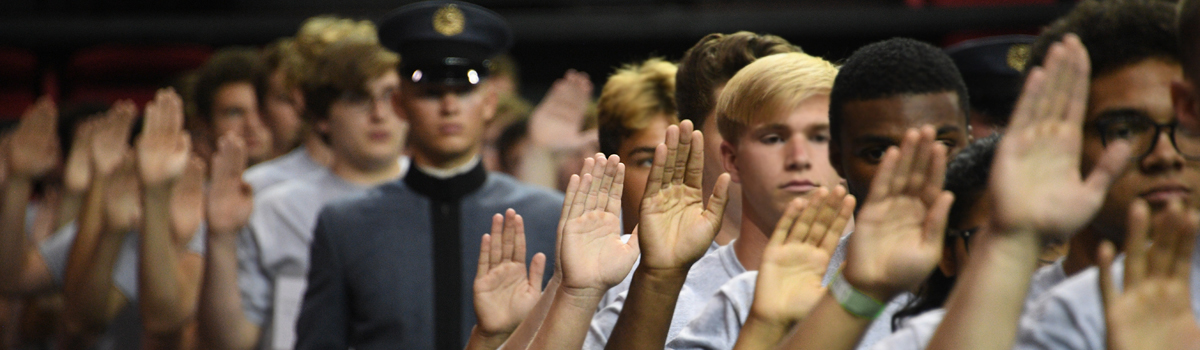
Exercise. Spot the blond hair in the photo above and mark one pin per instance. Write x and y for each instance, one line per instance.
(633, 96)
(768, 86)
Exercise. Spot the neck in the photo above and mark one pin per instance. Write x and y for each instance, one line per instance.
(318, 150)
(1082, 251)
(366, 175)
(750, 243)
(444, 162)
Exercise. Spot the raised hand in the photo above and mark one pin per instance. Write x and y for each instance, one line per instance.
(33, 149)
(1155, 310)
(163, 149)
(108, 142)
(505, 291)
(230, 200)
(594, 257)
(77, 172)
(900, 229)
(676, 228)
(187, 201)
(797, 256)
(122, 198)
(1035, 179)
(561, 112)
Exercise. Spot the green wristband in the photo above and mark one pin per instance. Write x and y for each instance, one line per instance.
(854, 301)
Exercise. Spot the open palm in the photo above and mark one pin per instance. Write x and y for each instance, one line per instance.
(505, 291)
(163, 148)
(230, 200)
(594, 257)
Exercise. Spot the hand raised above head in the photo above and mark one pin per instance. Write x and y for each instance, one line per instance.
(230, 200)
(593, 256)
(675, 227)
(110, 135)
(163, 148)
(33, 149)
(900, 228)
(1036, 183)
(505, 291)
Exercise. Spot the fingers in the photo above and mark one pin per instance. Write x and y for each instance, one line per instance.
(922, 157)
(1135, 242)
(719, 199)
(1186, 245)
(580, 194)
(683, 153)
(787, 220)
(935, 220)
(884, 175)
(672, 142)
(518, 240)
(825, 218)
(618, 189)
(830, 243)
(803, 227)
(610, 174)
(1023, 112)
(508, 239)
(485, 248)
(1111, 165)
(593, 193)
(904, 165)
(694, 176)
(230, 160)
(537, 270)
(496, 233)
(568, 197)
(1104, 259)
(657, 170)
(1080, 70)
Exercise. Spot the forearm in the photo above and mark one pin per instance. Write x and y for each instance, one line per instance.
(161, 283)
(760, 334)
(524, 333)
(69, 209)
(983, 310)
(645, 319)
(223, 324)
(828, 327)
(567, 320)
(87, 282)
(14, 245)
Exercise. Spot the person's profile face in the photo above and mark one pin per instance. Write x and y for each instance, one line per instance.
(637, 153)
(781, 158)
(235, 110)
(366, 129)
(446, 122)
(1138, 92)
(280, 113)
(869, 127)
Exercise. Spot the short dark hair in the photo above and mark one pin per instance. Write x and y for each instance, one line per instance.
(227, 66)
(507, 143)
(967, 178)
(893, 67)
(1116, 33)
(343, 67)
(1187, 24)
(712, 62)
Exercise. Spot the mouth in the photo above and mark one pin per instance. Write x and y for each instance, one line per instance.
(1164, 193)
(379, 135)
(450, 129)
(799, 186)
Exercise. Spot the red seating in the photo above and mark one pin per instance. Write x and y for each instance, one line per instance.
(109, 73)
(18, 81)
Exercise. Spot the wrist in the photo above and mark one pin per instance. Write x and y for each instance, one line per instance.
(580, 297)
(659, 280)
(857, 302)
(492, 340)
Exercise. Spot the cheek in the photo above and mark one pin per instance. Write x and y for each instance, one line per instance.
(635, 183)
(224, 125)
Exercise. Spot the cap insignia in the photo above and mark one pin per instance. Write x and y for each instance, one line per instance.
(448, 20)
(1017, 56)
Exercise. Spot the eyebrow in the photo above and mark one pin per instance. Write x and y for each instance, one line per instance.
(635, 151)
(948, 129)
(1123, 112)
(870, 139)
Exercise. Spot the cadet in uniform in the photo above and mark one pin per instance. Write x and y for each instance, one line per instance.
(394, 268)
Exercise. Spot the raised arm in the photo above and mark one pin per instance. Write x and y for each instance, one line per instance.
(1039, 194)
(1154, 310)
(167, 278)
(897, 242)
(593, 256)
(222, 323)
(505, 291)
(110, 210)
(675, 230)
(794, 262)
(32, 152)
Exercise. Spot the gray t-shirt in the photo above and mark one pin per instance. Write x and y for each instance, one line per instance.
(273, 250)
(288, 166)
(125, 330)
(720, 322)
(706, 276)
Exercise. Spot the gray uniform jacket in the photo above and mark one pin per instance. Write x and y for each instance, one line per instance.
(394, 269)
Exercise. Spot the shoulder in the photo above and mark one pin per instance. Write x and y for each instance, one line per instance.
(915, 334)
(505, 188)
(1069, 315)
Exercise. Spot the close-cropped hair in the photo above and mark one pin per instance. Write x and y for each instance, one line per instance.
(343, 70)
(712, 62)
(633, 96)
(1187, 24)
(967, 178)
(1116, 33)
(890, 68)
(227, 66)
(769, 86)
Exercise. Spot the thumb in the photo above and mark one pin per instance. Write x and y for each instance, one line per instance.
(1112, 163)
(1108, 290)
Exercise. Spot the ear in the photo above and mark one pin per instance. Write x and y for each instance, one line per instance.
(321, 127)
(1184, 99)
(297, 99)
(729, 160)
(491, 99)
(949, 263)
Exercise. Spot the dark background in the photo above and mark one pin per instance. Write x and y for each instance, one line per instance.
(594, 36)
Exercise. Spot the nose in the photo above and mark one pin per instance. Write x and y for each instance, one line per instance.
(449, 103)
(254, 124)
(799, 154)
(1163, 157)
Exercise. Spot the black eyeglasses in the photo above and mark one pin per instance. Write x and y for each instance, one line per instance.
(965, 234)
(1142, 135)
